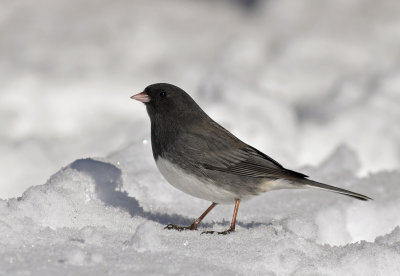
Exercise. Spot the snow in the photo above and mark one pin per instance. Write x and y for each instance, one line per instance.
(316, 91)
(107, 216)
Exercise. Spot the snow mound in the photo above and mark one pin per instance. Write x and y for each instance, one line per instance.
(99, 216)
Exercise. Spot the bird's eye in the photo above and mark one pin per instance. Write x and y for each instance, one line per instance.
(163, 94)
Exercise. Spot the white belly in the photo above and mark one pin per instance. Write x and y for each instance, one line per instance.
(192, 185)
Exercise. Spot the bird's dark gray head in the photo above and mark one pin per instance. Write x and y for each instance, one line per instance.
(166, 101)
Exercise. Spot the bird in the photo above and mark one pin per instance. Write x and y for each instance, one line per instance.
(201, 158)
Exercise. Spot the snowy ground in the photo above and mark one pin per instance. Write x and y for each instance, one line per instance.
(314, 84)
(106, 216)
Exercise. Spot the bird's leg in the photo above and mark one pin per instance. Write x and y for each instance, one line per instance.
(194, 224)
(233, 223)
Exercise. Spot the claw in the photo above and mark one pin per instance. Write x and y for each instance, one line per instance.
(179, 228)
(226, 232)
(207, 232)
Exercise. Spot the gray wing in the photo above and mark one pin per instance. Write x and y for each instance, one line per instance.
(250, 162)
(218, 150)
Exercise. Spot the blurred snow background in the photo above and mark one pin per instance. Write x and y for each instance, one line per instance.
(294, 78)
(315, 84)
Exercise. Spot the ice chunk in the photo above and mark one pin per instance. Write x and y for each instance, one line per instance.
(146, 237)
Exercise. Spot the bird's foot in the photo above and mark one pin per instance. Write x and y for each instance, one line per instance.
(226, 232)
(179, 228)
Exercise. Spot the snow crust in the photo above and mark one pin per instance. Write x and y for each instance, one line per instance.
(317, 91)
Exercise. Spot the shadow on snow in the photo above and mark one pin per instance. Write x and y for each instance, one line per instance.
(108, 181)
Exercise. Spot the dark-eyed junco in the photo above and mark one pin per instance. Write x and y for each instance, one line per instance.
(201, 158)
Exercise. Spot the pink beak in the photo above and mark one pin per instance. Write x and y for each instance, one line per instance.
(142, 97)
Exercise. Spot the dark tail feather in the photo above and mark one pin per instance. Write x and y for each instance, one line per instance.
(314, 184)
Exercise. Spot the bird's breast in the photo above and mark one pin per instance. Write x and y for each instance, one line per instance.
(200, 187)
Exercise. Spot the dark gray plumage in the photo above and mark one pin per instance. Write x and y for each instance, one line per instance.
(189, 147)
